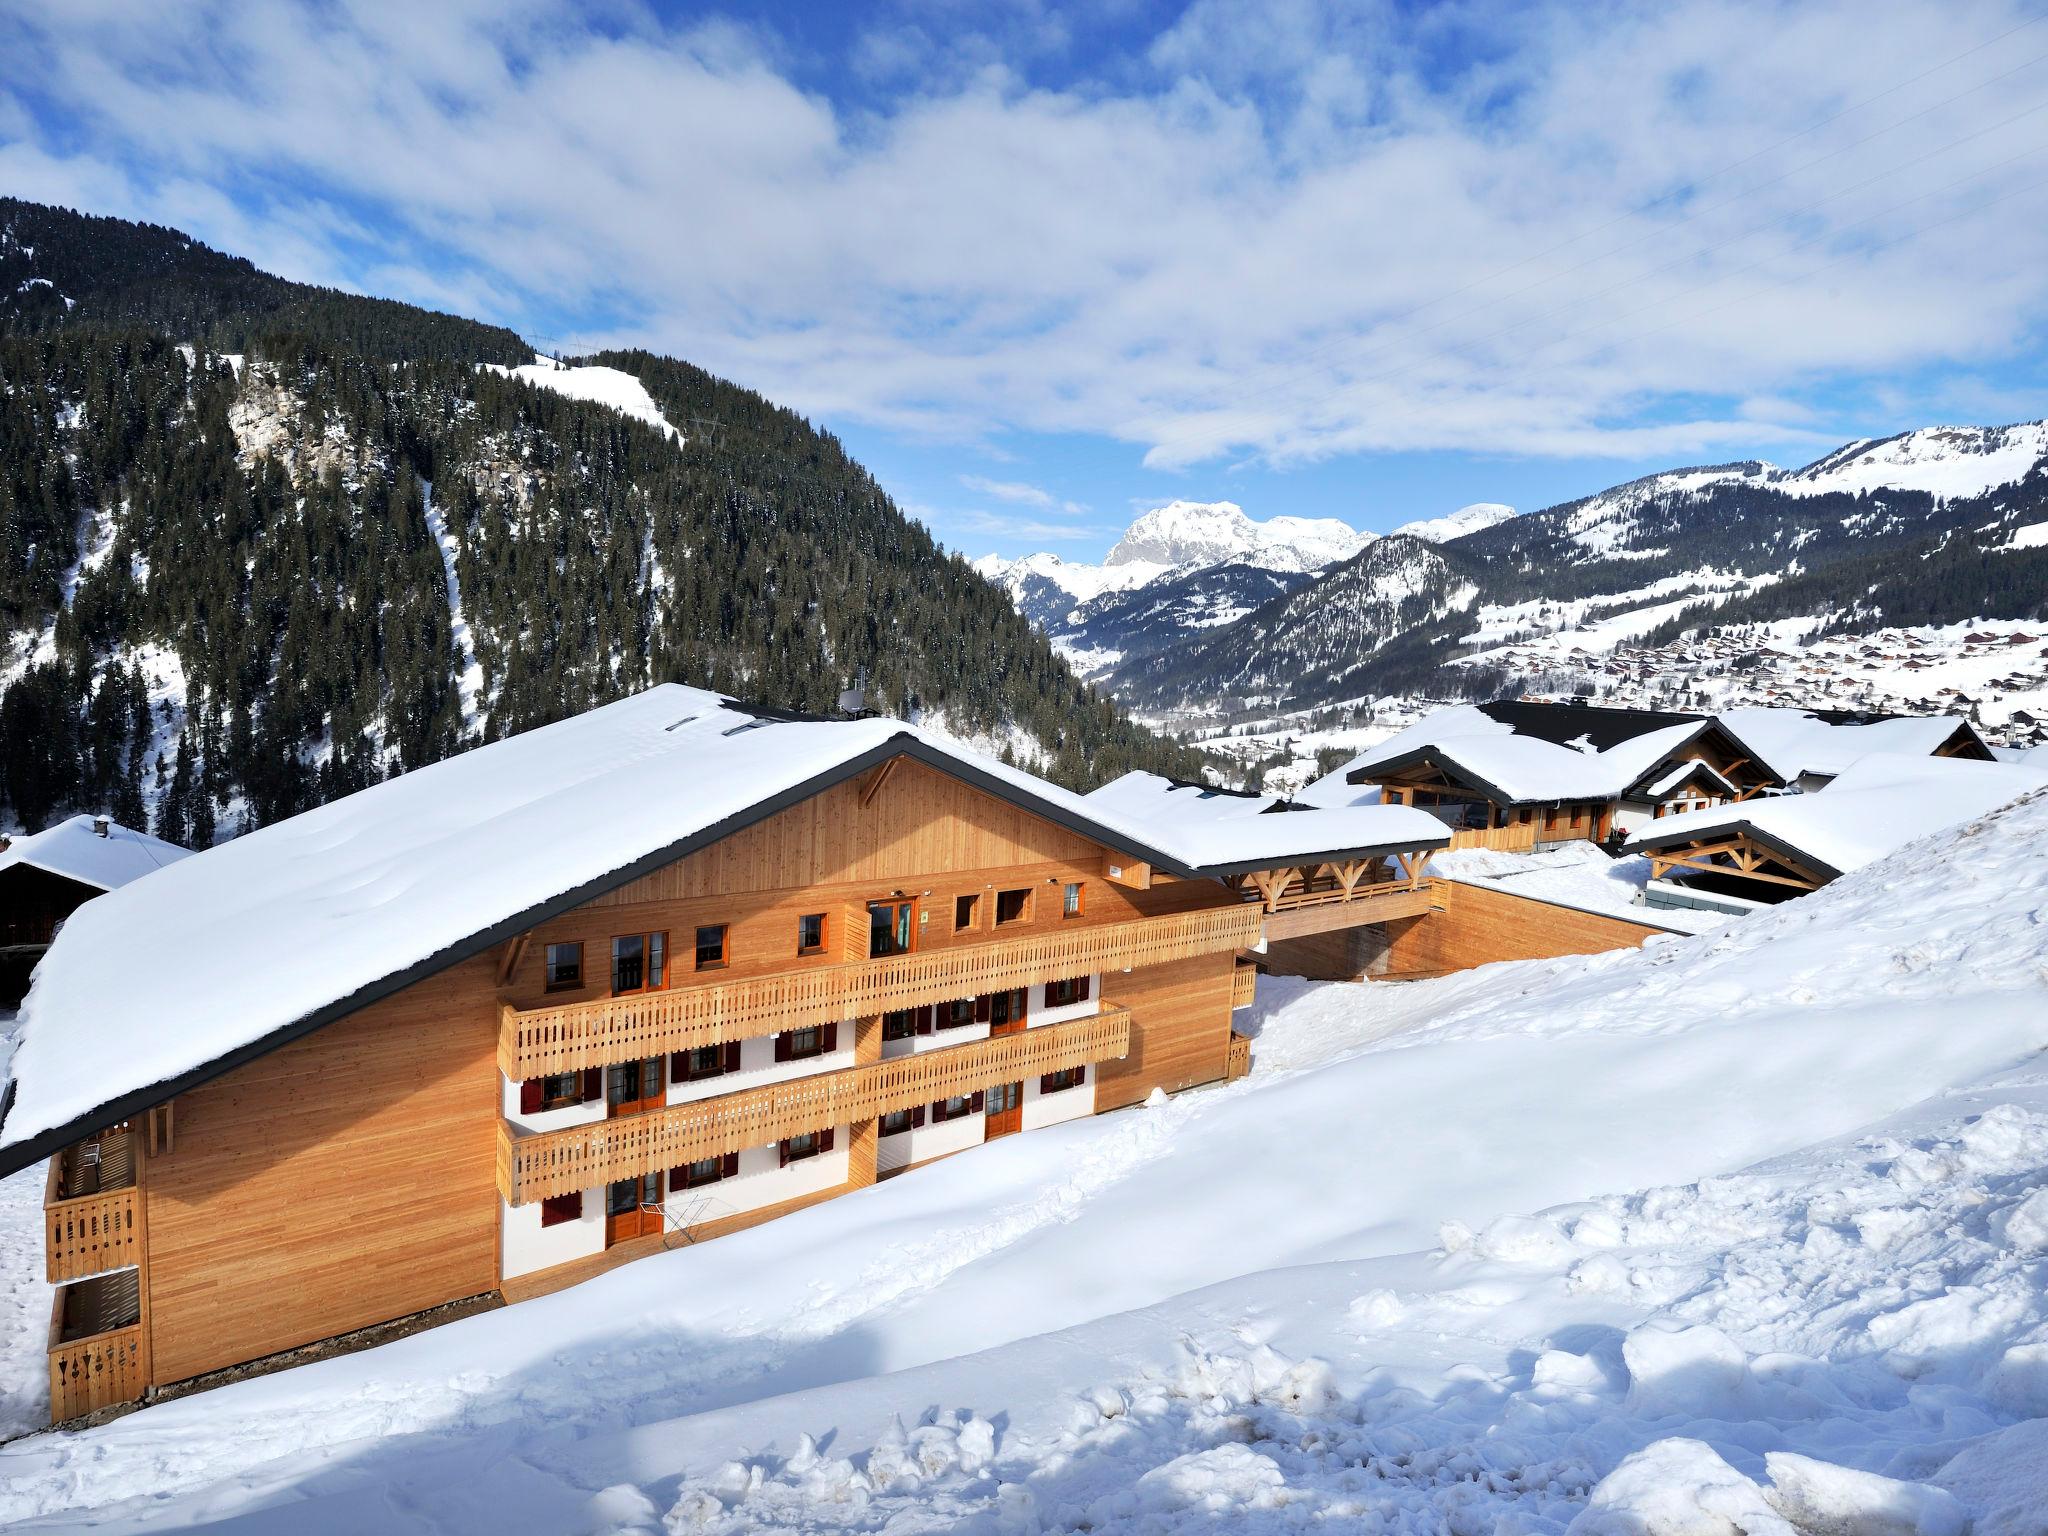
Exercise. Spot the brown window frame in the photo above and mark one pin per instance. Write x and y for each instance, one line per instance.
(1050, 1082)
(724, 931)
(1030, 895)
(971, 900)
(899, 1024)
(548, 966)
(647, 948)
(1074, 900)
(824, 934)
(957, 1014)
(893, 902)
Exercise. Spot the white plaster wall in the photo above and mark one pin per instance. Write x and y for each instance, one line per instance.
(529, 1246)
(1036, 1013)
(547, 1119)
(1043, 1109)
(759, 1066)
(928, 1140)
(762, 1180)
(1633, 814)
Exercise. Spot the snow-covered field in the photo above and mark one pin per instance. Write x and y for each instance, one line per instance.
(1736, 1212)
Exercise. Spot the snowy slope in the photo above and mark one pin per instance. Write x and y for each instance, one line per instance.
(602, 386)
(1455, 525)
(1943, 461)
(1452, 1253)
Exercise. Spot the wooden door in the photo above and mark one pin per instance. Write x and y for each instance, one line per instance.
(631, 1087)
(1006, 1012)
(892, 928)
(1005, 1110)
(632, 1209)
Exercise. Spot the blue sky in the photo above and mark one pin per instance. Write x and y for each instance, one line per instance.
(1044, 266)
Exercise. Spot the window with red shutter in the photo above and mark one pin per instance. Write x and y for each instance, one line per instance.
(1085, 980)
(924, 1019)
(732, 1057)
(828, 1039)
(556, 1209)
(782, 1052)
(917, 1117)
(1052, 989)
(593, 1083)
(981, 1007)
(732, 1166)
(974, 1104)
(530, 1096)
(825, 1138)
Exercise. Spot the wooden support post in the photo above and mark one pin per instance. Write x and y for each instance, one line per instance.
(877, 776)
(509, 955)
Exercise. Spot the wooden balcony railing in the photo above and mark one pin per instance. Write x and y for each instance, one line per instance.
(90, 1235)
(556, 1162)
(96, 1345)
(1239, 1061)
(1520, 839)
(1244, 986)
(538, 1041)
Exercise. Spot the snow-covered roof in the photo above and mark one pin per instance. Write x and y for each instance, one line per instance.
(1792, 742)
(1143, 794)
(74, 849)
(1872, 807)
(271, 935)
(1472, 746)
(1678, 773)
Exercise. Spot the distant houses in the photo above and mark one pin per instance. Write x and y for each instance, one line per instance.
(47, 876)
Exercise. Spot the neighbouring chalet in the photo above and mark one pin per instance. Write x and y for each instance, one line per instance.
(1153, 796)
(1516, 773)
(1757, 852)
(643, 977)
(46, 877)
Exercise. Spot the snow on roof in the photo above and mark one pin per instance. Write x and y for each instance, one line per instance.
(74, 849)
(1792, 742)
(1572, 874)
(1871, 808)
(1679, 772)
(274, 933)
(1139, 793)
(1471, 745)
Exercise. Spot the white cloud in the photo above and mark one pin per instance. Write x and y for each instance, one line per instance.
(1283, 231)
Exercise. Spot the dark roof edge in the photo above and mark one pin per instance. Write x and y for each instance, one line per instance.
(901, 744)
(1330, 856)
(1742, 824)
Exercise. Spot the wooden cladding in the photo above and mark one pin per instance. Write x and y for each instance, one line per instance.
(91, 1234)
(1244, 984)
(1239, 1061)
(1385, 904)
(96, 1372)
(539, 1041)
(1520, 838)
(534, 1167)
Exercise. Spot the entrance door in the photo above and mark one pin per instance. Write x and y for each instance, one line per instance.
(633, 1086)
(626, 1209)
(1005, 1110)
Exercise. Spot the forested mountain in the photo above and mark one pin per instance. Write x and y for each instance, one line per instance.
(239, 518)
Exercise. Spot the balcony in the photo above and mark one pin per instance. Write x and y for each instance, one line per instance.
(90, 1217)
(96, 1345)
(1244, 986)
(538, 1041)
(1239, 1061)
(556, 1162)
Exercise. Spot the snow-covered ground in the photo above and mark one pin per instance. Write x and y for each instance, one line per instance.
(614, 387)
(1476, 1255)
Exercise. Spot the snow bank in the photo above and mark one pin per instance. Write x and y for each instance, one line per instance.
(613, 387)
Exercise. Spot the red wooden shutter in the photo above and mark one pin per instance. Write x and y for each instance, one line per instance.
(730, 1167)
(981, 1008)
(828, 1038)
(1082, 994)
(825, 1139)
(557, 1209)
(732, 1057)
(917, 1117)
(1045, 1083)
(678, 1180)
(1051, 991)
(782, 1054)
(529, 1096)
(678, 1066)
(593, 1083)
(782, 1147)
(974, 1104)
(924, 1019)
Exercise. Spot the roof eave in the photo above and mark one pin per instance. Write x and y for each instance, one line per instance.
(1642, 843)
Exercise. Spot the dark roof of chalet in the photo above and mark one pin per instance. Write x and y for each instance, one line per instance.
(1568, 721)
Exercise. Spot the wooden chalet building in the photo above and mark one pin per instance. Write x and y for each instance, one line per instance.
(47, 876)
(647, 976)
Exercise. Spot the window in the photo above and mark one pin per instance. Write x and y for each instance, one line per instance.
(1005, 1097)
(899, 1024)
(803, 1044)
(639, 962)
(900, 1121)
(629, 1195)
(967, 912)
(810, 934)
(1070, 904)
(707, 1171)
(956, 1108)
(1062, 994)
(711, 947)
(1013, 907)
(957, 1014)
(891, 928)
(565, 966)
(1059, 1082)
(796, 1148)
(705, 1061)
(561, 1090)
(556, 1209)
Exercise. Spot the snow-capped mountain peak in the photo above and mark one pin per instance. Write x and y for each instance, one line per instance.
(1202, 533)
(1455, 525)
(1943, 461)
